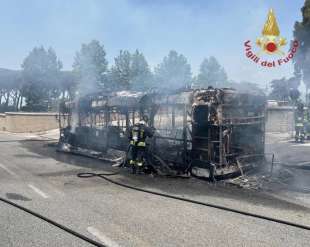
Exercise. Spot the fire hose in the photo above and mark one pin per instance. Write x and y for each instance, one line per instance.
(211, 205)
(54, 223)
(105, 177)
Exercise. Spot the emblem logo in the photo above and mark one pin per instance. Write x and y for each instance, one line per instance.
(270, 43)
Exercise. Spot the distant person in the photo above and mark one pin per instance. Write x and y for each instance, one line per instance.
(299, 122)
(307, 122)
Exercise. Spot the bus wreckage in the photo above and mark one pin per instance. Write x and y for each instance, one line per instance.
(211, 133)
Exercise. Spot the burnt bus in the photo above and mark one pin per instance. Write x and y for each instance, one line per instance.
(228, 131)
(208, 132)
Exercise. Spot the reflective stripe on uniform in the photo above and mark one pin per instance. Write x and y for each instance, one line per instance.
(141, 133)
(139, 144)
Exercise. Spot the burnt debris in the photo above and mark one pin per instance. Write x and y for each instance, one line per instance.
(207, 132)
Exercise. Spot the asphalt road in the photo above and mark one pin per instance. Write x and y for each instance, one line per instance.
(293, 159)
(32, 174)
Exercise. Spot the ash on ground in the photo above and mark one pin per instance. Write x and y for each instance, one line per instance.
(111, 155)
(263, 180)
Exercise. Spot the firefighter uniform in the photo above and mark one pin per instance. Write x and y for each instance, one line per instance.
(307, 124)
(137, 148)
(300, 123)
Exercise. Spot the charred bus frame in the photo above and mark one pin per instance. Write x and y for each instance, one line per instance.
(210, 132)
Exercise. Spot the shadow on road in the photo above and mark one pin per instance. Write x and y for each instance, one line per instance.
(17, 197)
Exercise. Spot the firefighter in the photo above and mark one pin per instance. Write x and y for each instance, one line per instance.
(299, 122)
(226, 142)
(137, 149)
(307, 123)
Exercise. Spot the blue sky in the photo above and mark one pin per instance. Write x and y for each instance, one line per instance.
(197, 29)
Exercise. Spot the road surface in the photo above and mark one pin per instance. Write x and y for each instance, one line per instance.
(33, 175)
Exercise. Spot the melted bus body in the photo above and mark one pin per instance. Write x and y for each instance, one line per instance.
(208, 132)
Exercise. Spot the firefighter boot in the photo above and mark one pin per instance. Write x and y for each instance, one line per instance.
(133, 166)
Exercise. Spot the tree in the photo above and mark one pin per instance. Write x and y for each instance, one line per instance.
(211, 73)
(40, 74)
(67, 84)
(53, 78)
(130, 71)
(246, 86)
(281, 88)
(173, 72)
(90, 67)
(140, 73)
(302, 35)
(121, 71)
(10, 90)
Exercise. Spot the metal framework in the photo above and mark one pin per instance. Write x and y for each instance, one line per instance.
(211, 132)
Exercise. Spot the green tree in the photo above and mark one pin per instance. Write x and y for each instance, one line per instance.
(121, 71)
(211, 73)
(140, 73)
(90, 67)
(10, 90)
(173, 72)
(67, 84)
(40, 74)
(130, 71)
(281, 88)
(302, 35)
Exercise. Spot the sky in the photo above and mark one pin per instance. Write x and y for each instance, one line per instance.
(197, 29)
